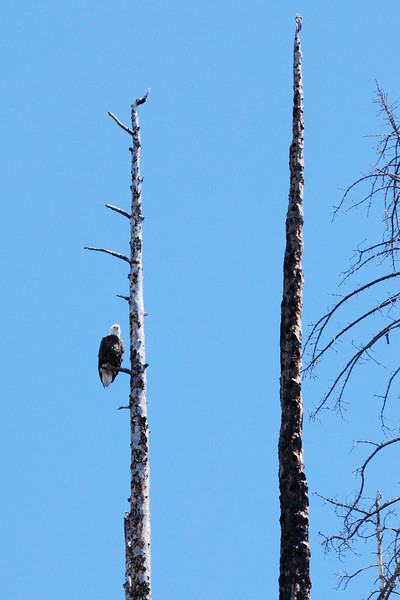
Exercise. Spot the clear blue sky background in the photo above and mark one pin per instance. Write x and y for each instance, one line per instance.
(215, 137)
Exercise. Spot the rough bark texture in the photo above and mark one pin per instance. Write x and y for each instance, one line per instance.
(137, 520)
(294, 580)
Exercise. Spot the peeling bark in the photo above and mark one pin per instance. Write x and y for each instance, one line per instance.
(137, 520)
(294, 580)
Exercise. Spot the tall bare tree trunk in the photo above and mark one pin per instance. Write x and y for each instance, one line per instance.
(137, 520)
(294, 580)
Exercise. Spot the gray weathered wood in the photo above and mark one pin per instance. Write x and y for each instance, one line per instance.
(137, 520)
(294, 580)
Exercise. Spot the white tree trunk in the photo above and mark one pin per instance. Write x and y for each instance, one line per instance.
(137, 520)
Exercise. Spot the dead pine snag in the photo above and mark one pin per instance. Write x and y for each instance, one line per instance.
(294, 580)
(137, 520)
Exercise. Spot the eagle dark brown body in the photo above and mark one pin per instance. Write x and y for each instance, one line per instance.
(111, 352)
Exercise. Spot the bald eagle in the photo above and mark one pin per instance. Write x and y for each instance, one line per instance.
(110, 353)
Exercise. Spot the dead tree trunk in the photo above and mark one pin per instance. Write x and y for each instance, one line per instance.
(137, 520)
(294, 580)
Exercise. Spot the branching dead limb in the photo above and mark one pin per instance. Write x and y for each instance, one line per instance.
(137, 103)
(384, 182)
(319, 327)
(345, 373)
(388, 302)
(367, 519)
(386, 395)
(361, 470)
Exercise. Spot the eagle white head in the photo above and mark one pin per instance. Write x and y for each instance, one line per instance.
(115, 330)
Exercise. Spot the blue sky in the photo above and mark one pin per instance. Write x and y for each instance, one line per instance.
(216, 130)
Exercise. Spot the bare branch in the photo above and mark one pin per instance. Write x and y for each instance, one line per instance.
(389, 113)
(363, 518)
(390, 301)
(143, 99)
(378, 448)
(119, 210)
(341, 504)
(350, 366)
(320, 326)
(124, 127)
(386, 394)
(345, 578)
(114, 368)
(353, 528)
(116, 254)
(385, 593)
(388, 252)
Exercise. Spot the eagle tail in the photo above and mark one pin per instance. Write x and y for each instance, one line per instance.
(107, 377)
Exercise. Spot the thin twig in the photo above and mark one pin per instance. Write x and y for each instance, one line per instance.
(116, 254)
(341, 504)
(345, 578)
